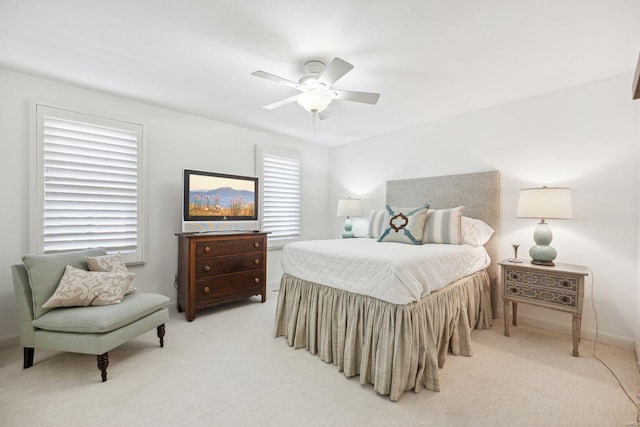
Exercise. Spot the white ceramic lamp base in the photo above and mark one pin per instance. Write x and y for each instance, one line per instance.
(347, 234)
(541, 253)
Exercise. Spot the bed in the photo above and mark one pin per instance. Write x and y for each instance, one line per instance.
(395, 343)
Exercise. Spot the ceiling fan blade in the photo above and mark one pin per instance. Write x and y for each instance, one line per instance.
(280, 103)
(324, 114)
(276, 79)
(364, 97)
(334, 71)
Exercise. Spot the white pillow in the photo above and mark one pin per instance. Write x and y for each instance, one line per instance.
(80, 288)
(475, 232)
(110, 264)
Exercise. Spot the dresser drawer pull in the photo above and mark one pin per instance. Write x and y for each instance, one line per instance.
(514, 276)
(565, 299)
(565, 283)
(206, 289)
(256, 261)
(206, 268)
(207, 249)
(256, 280)
(256, 245)
(514, 290)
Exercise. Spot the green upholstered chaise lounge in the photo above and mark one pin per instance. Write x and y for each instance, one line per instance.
(90, 330)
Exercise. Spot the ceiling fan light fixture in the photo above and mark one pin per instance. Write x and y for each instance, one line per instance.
(315, 101)
(316, 87)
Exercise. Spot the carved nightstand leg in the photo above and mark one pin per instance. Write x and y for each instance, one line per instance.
(579, 326)
(505, 310)
(514, 309)
(576, 323)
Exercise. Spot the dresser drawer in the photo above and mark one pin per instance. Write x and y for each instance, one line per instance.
(531, 278)
(230, 285)
(232, 264)
(222, 247)
(544, 295)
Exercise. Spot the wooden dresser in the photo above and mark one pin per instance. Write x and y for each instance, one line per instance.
(219, 267)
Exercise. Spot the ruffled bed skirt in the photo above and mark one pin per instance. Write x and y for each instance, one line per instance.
(394, 347)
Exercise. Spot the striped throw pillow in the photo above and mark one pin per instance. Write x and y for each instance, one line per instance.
(443, 226)
(376, 223)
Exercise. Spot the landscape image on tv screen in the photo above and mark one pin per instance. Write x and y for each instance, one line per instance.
(221, 197)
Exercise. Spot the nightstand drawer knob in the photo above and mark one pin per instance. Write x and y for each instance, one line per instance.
(565, 283)
(257, 280)
(206, 289)
(256, 261)
(565, 299)
(514, 276)
(207, 268)
(514, 290)
(256, 245)
(207, 249)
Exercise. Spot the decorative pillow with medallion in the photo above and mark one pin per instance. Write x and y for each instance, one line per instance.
(404, 225)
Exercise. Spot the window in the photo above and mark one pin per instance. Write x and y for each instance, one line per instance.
(88, 184)
(280, 173)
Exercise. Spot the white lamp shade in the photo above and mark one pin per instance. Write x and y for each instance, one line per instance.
(545, 203)
(349, 207)
(315, 101)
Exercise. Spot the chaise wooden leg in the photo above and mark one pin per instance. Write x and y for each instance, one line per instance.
(161, 334)
(103, 362)
(28, 357)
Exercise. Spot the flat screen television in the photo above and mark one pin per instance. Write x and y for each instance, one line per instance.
(210, 199)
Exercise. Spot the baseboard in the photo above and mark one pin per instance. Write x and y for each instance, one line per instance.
(603, 338)
(9, 341)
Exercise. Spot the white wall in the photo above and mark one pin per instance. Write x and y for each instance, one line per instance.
(585, 138)
(637, 345)
(173, 141)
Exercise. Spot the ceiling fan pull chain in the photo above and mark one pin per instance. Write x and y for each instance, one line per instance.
(313, 124)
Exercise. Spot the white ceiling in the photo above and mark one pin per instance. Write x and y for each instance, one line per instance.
(428, 59)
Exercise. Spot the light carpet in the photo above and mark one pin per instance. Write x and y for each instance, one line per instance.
(225, 368)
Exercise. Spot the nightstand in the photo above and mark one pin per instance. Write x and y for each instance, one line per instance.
(560, 287)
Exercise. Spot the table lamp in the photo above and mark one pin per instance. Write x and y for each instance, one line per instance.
(349, 207)
(544, 203)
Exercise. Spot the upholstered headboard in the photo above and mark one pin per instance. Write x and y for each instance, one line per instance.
(478, 192)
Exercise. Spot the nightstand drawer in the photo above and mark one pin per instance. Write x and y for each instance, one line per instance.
(535, 294)
(532, 278)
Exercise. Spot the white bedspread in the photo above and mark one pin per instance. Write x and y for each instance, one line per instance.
(394, 272)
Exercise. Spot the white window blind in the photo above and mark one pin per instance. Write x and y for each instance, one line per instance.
(281, 184)
(89, 183)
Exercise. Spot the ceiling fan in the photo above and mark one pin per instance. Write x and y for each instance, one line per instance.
(315, 87)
